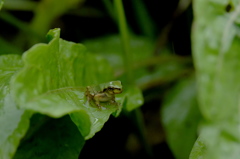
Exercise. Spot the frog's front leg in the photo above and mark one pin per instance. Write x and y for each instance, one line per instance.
(113, 101)
(88, 94)
(101, 97)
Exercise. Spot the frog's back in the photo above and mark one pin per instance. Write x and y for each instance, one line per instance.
(94, 89)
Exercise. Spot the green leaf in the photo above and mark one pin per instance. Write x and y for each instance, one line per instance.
(8, 48)
(111, 48)
(53, 82)
(134, 98)
(199, 149)
(14, 122)
(180, 117)
(1, 4)
(216, 133)
(216, 52)
(91, 122)
(58, 139)
(167, 68)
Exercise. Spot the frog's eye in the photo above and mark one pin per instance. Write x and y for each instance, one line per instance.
(117, 90)
(110, 88)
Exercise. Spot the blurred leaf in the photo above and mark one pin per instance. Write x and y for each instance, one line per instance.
(14, 122)
(167, 69)
(58, 139)
(134, 98)
(1, 4)
(180, 116)
(216, 133)
(199, 149)
(53, 82)
(216, 52)
(111, 48)
(7, 48)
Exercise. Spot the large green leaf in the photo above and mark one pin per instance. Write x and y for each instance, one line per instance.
(14, 122)
(180, 117)
(57, 138)
(53, 82)
(217, 59)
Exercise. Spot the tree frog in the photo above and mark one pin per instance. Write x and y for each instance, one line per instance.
(104, 92)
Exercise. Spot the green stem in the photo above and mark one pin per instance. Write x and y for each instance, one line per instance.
(144, 20)
(20, 5)
(139, 122)
(19, 24)
(127, 56)
(109, 7)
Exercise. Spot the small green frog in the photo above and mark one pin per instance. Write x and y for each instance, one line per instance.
(104, 92)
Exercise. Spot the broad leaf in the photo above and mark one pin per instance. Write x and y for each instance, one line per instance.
(217, 59)
(54, 79)
(181, 116)
(14, 122)
(57, 138)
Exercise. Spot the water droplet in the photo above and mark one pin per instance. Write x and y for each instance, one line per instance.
(95, 121)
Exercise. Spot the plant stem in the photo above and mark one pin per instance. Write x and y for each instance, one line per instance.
(19, 24)
(127, 56)
(144, 19)
(20, 5)
(139, 122)
(109, 7)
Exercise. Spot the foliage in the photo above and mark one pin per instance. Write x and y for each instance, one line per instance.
(181, 117)
(40, 84)
(186, 112)
(1, 4)
(62, 135)
(215, 48)
(14, 122)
